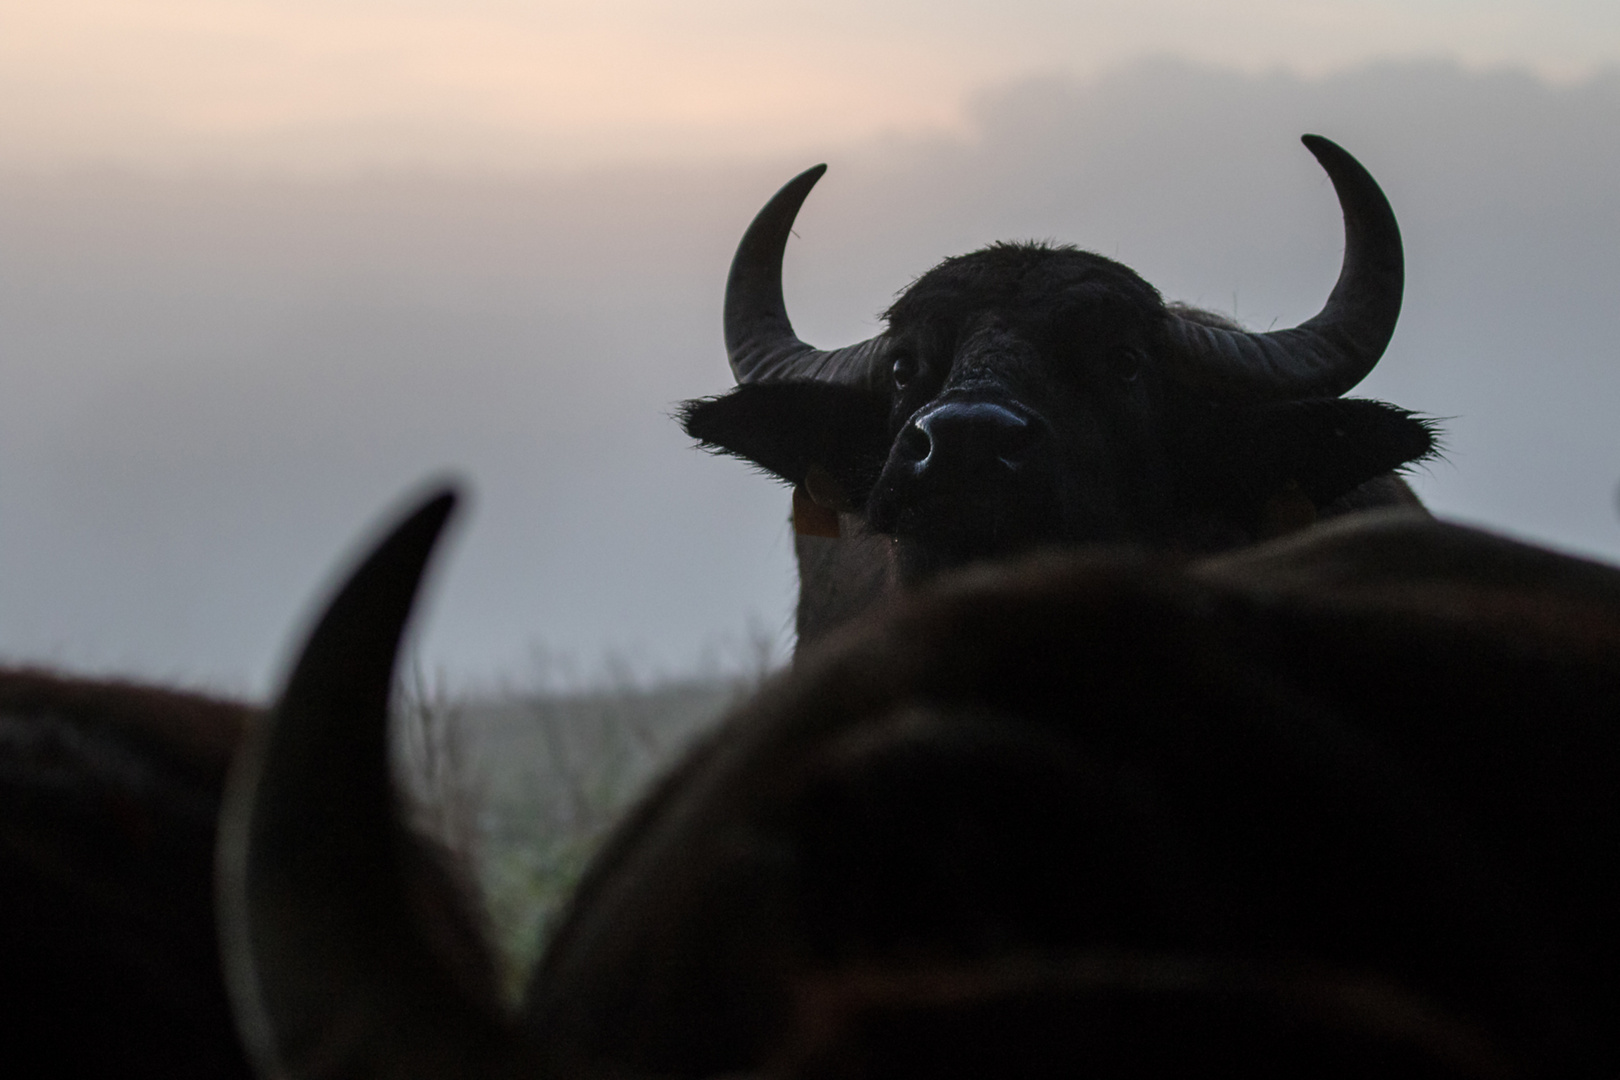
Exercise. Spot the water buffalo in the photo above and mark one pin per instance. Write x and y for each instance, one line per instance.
(1099, 813)
(109, 798)
(1029, 394)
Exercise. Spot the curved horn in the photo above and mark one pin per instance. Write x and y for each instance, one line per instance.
(1334, 350)
(329, 974)
(760, 341)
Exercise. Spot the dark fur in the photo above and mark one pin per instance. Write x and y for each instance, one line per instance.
(1113, 815)
(1101, 813)
(1119, 448)
(109, 794)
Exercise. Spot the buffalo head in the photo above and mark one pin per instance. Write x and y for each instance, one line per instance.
(1030, 394)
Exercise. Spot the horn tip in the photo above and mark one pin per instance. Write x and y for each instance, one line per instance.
(440, 493)
(426, 511)
(439, 500)
(416, 528)
(1321, 147)
(806, 180)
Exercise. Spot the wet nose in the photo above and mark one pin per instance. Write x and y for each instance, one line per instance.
(967, 435)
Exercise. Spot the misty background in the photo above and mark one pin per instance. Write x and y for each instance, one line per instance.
(214, 380)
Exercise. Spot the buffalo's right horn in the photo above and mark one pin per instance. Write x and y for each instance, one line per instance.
(1335, 349)
(759, 337)
(330, 974)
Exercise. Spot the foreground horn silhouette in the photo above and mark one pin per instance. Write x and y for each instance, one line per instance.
(330, 966)
(1338, 805)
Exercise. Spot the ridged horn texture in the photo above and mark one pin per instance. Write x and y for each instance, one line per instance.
(328, 974)
(1331, 352)
(759, 337)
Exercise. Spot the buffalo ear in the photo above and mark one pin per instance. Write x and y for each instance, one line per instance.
(793, 430)
(1332, 446)
(1290, 459)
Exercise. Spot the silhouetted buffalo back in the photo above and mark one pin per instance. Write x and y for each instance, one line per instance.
(1338, 805)
(109, 798)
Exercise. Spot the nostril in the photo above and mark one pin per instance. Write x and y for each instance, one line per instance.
(915, 445)
(966, 432)
(1014, 441)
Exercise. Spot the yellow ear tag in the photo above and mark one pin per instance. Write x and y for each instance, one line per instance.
(825, 490)
(812, 519)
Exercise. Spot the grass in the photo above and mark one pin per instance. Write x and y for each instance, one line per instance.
(522, 789)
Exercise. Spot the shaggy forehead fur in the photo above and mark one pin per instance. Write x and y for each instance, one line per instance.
(1037, 282)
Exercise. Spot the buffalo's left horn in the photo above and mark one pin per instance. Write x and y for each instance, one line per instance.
(330, 974)
(1334, 350)
(759, 337)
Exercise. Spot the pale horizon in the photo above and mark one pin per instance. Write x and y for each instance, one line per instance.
(315, 89)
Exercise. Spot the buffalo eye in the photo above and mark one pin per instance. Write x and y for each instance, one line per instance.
(1126, 363)
(905, 368)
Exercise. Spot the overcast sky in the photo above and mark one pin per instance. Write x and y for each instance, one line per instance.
(264, 267)
(329, 84)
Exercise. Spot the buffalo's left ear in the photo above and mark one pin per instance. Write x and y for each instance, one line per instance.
(799, 431)
(1310, 453)
(1331, 446)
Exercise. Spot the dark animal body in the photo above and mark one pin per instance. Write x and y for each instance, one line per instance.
(1098, 813)
(1029, 395)
(109, 800)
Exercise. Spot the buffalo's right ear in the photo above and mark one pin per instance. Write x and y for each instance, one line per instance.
(790, 429)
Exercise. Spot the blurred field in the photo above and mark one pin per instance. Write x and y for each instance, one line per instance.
(527, 786)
